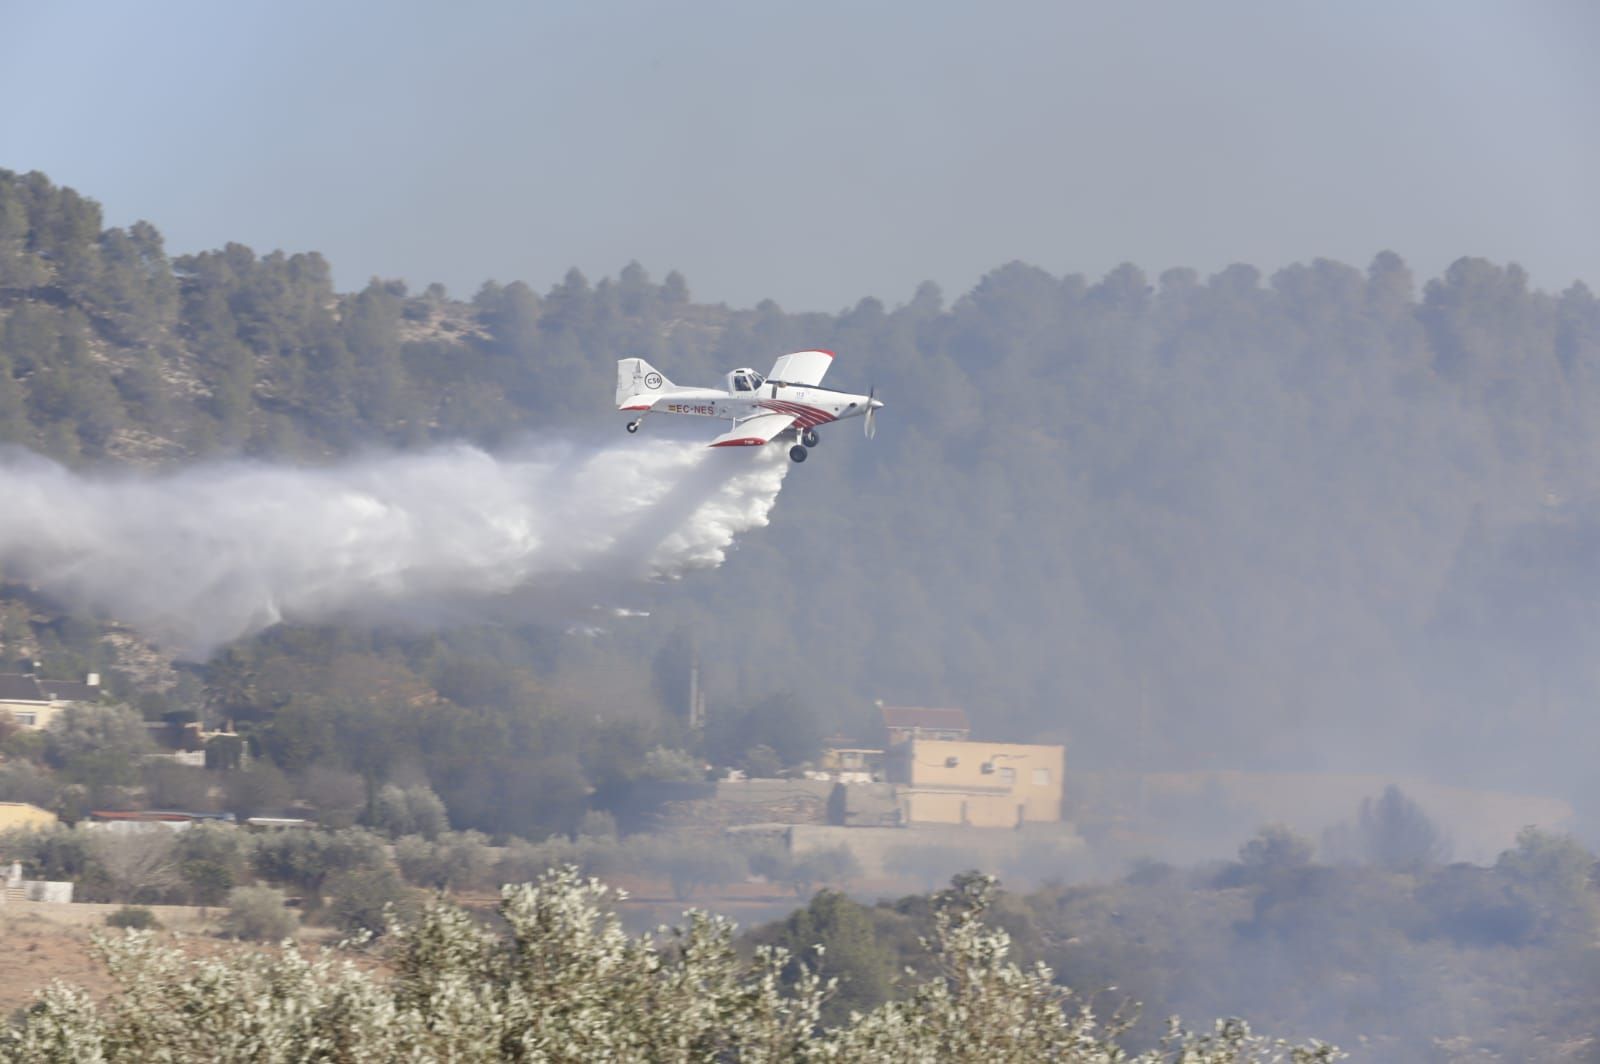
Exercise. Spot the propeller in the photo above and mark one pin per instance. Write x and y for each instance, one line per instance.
(869, 426)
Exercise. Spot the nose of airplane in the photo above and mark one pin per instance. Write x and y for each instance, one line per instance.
(876, 404)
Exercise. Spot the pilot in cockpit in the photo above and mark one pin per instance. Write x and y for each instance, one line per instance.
(746, 380)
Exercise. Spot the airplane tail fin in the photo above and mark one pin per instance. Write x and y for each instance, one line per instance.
(639, 384)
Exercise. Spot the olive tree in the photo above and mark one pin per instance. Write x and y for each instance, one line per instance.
(259, 915)
(566, 984)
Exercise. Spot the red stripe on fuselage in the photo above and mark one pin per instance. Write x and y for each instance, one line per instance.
(808, 416)
(803, 420)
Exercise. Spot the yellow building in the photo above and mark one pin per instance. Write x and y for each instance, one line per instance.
(997, 785)
(22, 815)
(33, 701)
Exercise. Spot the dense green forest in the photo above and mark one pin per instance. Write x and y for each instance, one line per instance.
(1322, 518)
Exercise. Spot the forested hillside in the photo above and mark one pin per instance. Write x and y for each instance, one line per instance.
(1400, 961)
(1327, 517)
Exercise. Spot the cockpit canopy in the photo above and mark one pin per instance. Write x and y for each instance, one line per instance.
(744, 380)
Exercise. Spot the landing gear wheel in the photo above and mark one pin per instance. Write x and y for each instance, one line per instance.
(797, 453)
(809, 438)
(633, 426)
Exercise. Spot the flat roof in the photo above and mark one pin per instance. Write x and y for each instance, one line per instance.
(924, 717)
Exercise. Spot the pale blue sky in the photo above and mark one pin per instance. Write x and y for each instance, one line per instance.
(818, 152)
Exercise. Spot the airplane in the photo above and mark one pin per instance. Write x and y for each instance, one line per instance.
(789, 402)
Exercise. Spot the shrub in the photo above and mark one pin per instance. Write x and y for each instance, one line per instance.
(22, 781)
(258, 914)
(209, 882)
(56, 852)
(338, 796)
(834, 865)
(170, 786)
(409, 811)
(455, 860)
(690, 863)
(761, 762)
(138, 868)
(260, 790)
(663, 763)
(306, 859)
(134, 917)
(211, 861)
(100, 747)
(772, 861)
(365, 900)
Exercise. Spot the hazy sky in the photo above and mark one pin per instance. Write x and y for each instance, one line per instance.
(816, 152)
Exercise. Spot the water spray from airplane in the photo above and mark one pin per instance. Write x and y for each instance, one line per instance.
(202, 556)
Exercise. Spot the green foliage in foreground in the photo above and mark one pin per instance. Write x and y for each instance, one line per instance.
(568, 984)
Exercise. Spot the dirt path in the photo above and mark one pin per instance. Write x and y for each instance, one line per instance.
(41, 941)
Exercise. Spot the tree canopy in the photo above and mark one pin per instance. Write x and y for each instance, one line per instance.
(567, 984)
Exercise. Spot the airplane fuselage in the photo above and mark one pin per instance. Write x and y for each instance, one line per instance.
(809, 406)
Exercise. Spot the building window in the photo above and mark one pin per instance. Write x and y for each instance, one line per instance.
(1041, 777)
(27, 720)
(1008, 776)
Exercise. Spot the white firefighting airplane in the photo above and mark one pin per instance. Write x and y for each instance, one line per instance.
(789, 400)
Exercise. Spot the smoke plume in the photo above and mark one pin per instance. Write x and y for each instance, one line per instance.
(200, 557)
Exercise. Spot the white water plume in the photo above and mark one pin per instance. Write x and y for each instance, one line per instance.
(202, 556)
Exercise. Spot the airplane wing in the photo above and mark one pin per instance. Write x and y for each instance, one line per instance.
(754, 431)
(802, 367)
